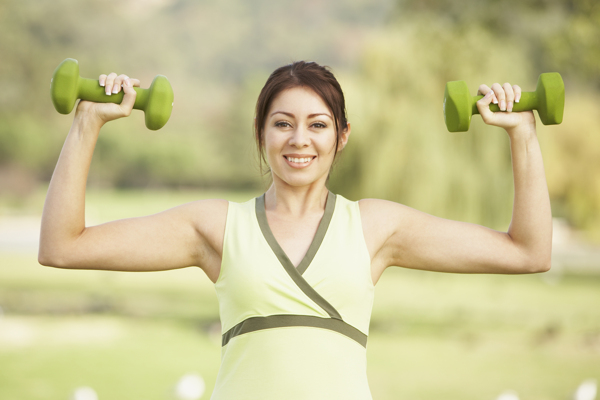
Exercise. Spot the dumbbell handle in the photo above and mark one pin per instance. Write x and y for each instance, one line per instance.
(90, 89)
(527, 102)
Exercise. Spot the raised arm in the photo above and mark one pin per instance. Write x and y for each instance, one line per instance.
(183, 236)
(402, 236)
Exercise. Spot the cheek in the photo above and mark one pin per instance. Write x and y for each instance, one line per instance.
(272, 146)
(328, 146)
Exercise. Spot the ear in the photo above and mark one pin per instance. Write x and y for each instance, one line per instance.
(344, 138)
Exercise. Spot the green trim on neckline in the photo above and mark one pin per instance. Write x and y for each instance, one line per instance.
(293, 272)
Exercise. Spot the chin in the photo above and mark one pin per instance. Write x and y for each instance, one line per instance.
(297, 181)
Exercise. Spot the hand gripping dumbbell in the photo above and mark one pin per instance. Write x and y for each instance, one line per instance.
(548, 99)
(67, 86)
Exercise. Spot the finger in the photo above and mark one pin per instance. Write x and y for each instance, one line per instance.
(110, 81)
(510, 96)
(128, 97)
(499, 92)
(517, 90)
(102, 79)
(135, 82)
(483, 90)
(118, 83)
(483, 105)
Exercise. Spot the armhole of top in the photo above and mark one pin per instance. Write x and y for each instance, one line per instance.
(230, 206)
(364, 241)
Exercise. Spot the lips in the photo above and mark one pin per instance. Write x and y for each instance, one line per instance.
(299, 165)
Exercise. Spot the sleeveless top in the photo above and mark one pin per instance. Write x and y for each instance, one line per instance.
(294, 333)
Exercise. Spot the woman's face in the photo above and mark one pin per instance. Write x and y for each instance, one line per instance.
(299, 137)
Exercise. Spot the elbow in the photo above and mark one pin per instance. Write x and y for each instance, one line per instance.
(44, 260)
(538, 266)
(48, 260)
(542, 268)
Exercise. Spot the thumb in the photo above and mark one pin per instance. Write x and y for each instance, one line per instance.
(483, 105)
(129, 95)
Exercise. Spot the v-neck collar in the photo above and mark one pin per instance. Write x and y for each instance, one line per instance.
(293, 272)
(261, 215)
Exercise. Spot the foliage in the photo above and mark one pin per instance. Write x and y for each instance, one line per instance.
(393, 59)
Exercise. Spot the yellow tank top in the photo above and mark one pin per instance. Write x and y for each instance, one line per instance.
(294, 333)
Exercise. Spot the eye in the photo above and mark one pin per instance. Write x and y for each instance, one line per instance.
(282, 124)
(319, 125)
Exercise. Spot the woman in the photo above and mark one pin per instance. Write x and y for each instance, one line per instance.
(295, 268)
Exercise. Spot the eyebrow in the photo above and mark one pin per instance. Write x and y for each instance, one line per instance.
(293, 116)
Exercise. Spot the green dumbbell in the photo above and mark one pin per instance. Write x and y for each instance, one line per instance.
(548, 99)
(67, 86)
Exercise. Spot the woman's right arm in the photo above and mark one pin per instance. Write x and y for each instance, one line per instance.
(183, 236)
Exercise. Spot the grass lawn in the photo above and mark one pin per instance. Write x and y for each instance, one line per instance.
(433, 336)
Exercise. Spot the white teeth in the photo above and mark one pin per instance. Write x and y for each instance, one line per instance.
(299, 160)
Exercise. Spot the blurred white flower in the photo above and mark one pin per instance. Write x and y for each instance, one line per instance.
(190, 387)
(587, 390)
(508, 395)
(84, 393)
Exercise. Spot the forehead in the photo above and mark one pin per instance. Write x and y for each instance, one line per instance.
(299, 101)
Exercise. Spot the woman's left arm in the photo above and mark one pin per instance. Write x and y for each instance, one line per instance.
(401, 236)
(531, 225)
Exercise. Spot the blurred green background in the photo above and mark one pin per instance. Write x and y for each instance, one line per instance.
(432, 335)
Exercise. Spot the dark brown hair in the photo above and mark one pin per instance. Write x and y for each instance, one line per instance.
(300, 74)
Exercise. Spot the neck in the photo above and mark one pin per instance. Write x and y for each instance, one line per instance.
(296, 201)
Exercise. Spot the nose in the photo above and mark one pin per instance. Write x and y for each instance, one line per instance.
(300, 137)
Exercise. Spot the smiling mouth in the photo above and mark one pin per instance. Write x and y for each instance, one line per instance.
(299, 162)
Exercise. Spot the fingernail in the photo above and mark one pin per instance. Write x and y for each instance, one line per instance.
(101, 83)
(495, 100)
(503, 105)
(489, 94)
(518, 98)
(128, 83)
(108, 92)
(510, 106)
(116, 89)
